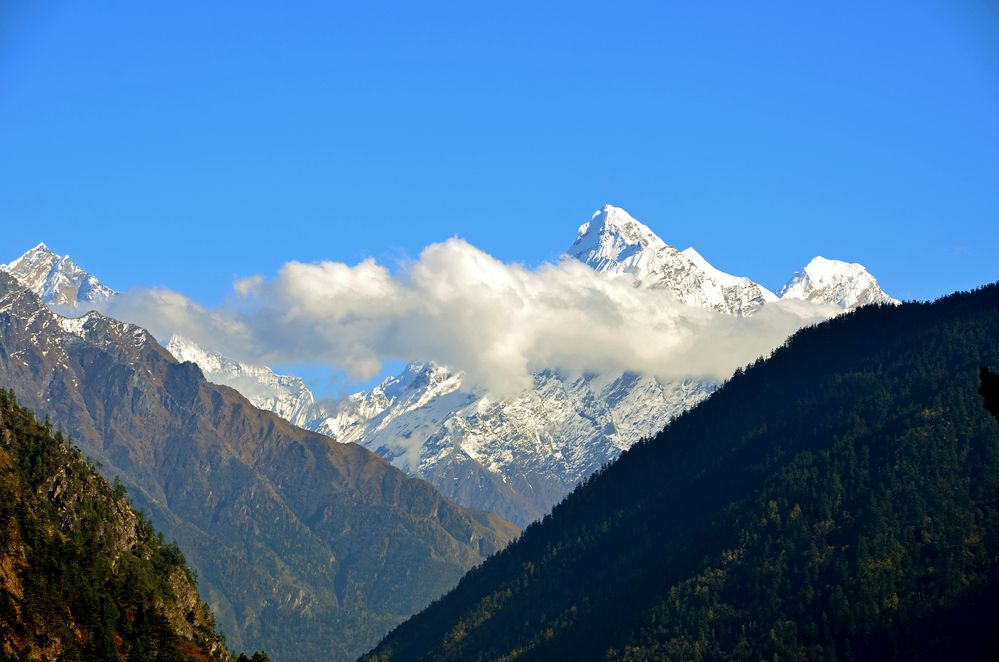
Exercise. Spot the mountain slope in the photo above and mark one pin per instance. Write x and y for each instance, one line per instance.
(285, 395)
(82, 576)
(836, 501)
(305, 547)
(515, 457)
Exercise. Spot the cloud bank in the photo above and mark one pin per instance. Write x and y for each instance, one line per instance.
(456, 305)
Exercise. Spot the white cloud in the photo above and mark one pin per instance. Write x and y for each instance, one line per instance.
(459, 306)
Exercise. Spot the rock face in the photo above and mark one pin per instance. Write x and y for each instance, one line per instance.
(82, 575)
(305, 548)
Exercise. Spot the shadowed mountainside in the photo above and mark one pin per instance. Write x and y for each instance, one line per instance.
(305, 547)
(835, 501)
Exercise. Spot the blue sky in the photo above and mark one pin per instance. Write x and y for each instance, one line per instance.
(187, 144)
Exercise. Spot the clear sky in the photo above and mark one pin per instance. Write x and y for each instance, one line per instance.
(189, 143)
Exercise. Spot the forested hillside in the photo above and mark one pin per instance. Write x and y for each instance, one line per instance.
(82, 576)
(836, 501)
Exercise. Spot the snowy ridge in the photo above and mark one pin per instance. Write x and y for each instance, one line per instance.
(286, 396)
(57, 279)
(847, 285)
(722, 278)
(73, 325)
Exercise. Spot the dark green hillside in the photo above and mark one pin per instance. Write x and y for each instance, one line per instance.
(836, 501)
(82, 576)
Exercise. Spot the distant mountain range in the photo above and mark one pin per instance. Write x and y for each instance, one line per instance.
(614, 243)
(519, 456)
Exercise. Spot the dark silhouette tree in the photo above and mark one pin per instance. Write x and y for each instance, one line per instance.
(989, 390)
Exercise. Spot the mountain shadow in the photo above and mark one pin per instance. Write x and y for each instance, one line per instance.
(834, 502)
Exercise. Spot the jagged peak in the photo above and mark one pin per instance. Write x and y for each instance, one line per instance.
(57, 279)
(613, 240)
(40, 252)
(611, 221)
(419, 374)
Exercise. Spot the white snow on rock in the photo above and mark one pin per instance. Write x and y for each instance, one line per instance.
(616, 244)
(287, 396)
(57, 279)
(847, 285)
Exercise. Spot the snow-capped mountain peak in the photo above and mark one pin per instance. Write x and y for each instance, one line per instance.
(613, 242)
(845, 284)
(57, 279)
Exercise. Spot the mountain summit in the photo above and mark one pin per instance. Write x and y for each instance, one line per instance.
(613, 242)
(57, 279)
(847, 285)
